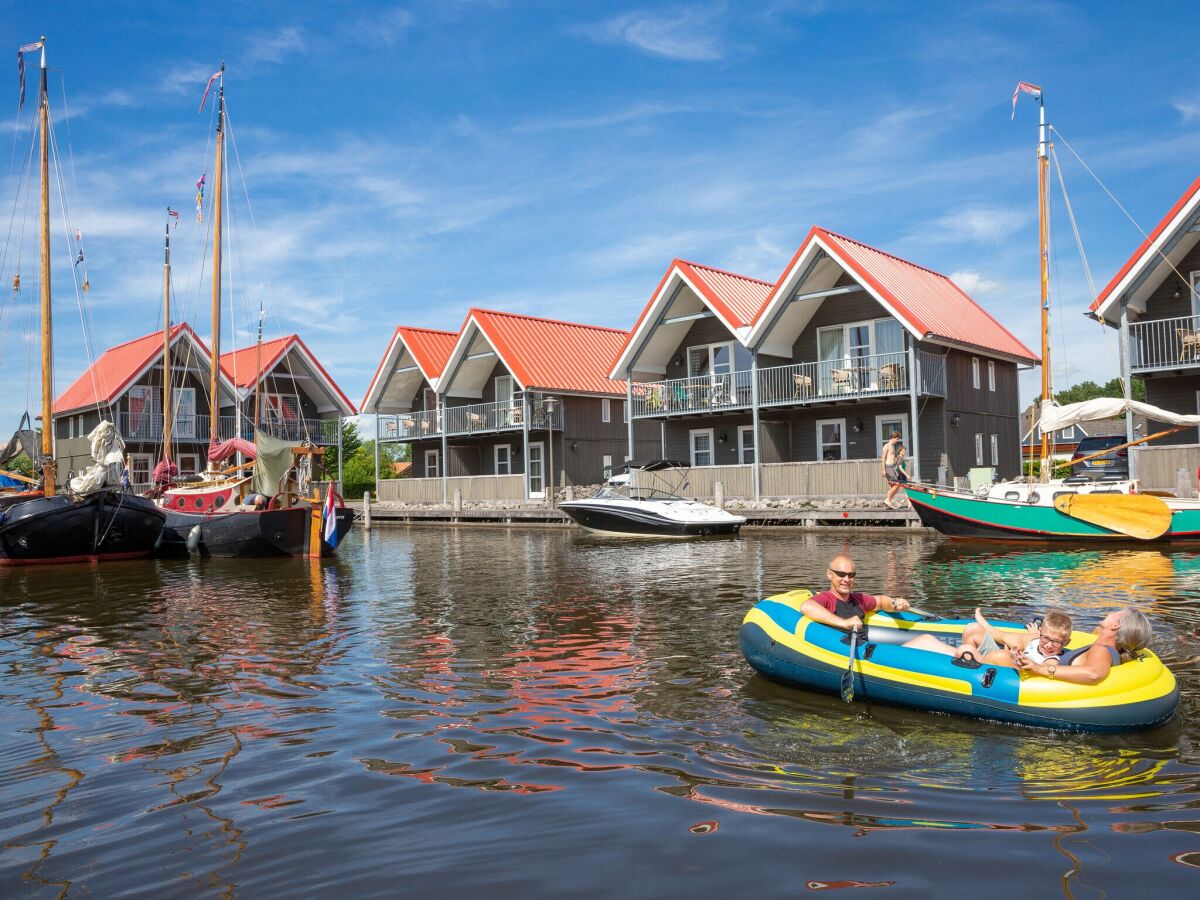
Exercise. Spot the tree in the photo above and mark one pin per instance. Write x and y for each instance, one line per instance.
(358, 474)
(20, 464)
(350, 444)
(1089, 390)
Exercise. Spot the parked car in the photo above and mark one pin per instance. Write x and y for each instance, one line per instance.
(1110, 465)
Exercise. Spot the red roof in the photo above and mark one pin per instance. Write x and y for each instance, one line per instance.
(546, 354)
(241, 365)
(429, 347)
(930, 303)
(1139, 255)
(736, 298)
(110, 375)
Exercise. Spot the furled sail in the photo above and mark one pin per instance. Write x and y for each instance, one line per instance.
(273, 462)
(1055, 417)
(108, 450)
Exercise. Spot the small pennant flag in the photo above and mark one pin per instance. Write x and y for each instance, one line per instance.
(329, 520)
(27, 48)
(207, 88)
(1024, 87)
(200, 198)
(174, 214)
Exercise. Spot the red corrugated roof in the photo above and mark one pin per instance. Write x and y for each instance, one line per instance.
(240, 365)
(546, 354)
(1139, 255)
(110, 375)
(932, 304)
(430, 348)
(736, 298)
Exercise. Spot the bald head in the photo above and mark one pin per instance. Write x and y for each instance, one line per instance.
(841, 574)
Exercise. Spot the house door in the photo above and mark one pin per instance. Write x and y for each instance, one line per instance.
(701, 441)
(885, 425)
(185, 413)
(433, 468)
(537, 470)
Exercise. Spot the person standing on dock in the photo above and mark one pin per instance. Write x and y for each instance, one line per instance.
(843, 607)
(891, 468)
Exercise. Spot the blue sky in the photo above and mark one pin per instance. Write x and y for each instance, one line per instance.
(407, 161)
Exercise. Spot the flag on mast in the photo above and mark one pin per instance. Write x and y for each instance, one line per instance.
(329, 519)
(25, 48)
(207, 88)
(1024, 87)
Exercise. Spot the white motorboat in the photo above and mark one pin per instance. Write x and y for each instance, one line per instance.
(646, 502)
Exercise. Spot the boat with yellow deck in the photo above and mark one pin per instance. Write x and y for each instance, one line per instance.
(784, 645)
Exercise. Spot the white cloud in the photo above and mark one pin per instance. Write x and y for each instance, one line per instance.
(689, 34)
(976, 284)
(1189, 110)
(979, 224)
(273, 48)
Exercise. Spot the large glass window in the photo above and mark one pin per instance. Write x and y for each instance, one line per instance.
(701, 440)
(503, 454)
(717, 359)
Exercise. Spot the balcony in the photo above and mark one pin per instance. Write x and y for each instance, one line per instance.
(1165, 344)
(474, 418)
(797, 384)
(148, 427)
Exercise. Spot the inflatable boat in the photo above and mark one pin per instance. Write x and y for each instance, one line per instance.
(784, 645)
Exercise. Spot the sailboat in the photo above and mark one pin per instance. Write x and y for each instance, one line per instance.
(274, 510)
(1075, 509)
(98, 518)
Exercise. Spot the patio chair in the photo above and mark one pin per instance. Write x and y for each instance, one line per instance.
(517, 415)
(1188, 340)
(841, 380)
(802, 385)
(889, 377)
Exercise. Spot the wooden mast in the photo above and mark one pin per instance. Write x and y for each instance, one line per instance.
(214, 414)
(1043, 156)
(166, 357)
(49, 469)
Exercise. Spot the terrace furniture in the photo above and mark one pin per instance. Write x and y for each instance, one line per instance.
(802, 385)
(717, 393)
(516, 415)
(654, 399)
(1188, 341)
(474, 420)
(841, 379)
(889, 377)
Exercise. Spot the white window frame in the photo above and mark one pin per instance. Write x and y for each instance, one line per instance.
(148, 460)
(992, 375)
(1066, 434)
(746, 432)
(70, 427)
(435, 456)
(606, 465)
(541, 459)
(881, 437)
(711, 356)
(182, 429)
(496, 388)
(507, 448)
(979, 448)
(995, 441)
(142, 390)
(624, 411)
(712, 446)
(605, 409)
(195, 466)
(821, 445)
(975, 372)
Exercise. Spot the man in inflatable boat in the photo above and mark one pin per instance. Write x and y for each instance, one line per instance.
(843, 607)
(1119, 637)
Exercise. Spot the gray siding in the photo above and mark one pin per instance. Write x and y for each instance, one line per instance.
(980, 411)
(1162, 303)
(703, 331)
(1176, 393)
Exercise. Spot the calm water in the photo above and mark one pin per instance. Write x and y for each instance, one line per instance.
(507, 713)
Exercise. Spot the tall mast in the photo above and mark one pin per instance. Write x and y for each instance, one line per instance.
(214, 414)
(49, 469)
(1043, 158)
(166, 357)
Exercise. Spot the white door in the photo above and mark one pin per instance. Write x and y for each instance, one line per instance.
(701, 442)
(831, 439)
(433, 468)
(886, 424)
(746, 444)
(184, 412)
(537, 470)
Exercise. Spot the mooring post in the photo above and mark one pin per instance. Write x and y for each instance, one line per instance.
(719, 495)
(366, 510)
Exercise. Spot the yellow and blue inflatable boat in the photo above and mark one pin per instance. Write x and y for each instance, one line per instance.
(786, 646)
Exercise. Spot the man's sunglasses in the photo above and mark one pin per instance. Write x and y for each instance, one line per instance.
(844, 574)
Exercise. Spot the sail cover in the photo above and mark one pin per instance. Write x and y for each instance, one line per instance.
(1055, 417)
(226, 449)
(108, 450)
(26, 441)
(272, 464)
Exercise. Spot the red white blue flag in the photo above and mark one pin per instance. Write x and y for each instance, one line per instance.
(26, 48)
(1027, 88)
(329, 519)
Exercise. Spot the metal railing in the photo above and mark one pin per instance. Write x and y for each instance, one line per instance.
(877, 375)
(148, 426)
(1165, 343)
(409, 426)
(697, 394)
(504, 415)
(933, 374)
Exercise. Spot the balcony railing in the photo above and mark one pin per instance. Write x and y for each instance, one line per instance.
(148, 426)
(797, 384)
(505, 415)
(409, 426)
(1165, 344)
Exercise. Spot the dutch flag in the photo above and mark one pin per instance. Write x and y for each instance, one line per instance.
(329, 520)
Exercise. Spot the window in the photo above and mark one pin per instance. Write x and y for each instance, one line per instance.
(189, 462)
(184, 412)
(851, 344)
(605, 409)
(746, 444)
(281, 414)
(504, 391)
(975, 372)
(502, 454)
(624, 411)
(700, 440)
(995, 449)
(140, 466)
(991, 375)
(141, 411)
(1067, 434)
(717, 359)
(537, 469)
(70, 426)
(886, 424)
(1194, 280)
(433, 468)
(429, 398)
(606, 466)
(978, 448)
(831, 439)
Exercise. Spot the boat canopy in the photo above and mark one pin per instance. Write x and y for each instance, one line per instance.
(24, 440)
(656, 465)
(1055, 417)
(226, 449)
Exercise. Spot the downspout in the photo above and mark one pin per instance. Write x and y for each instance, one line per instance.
(914, 380)
(1123, 349)
(754, 414)
(525, 413)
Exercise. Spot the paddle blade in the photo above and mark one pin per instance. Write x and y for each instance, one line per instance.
(848, 675)
(1137, 515)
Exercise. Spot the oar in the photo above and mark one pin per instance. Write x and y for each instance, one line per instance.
(1136, 515)
(848, 675)
(922, 613)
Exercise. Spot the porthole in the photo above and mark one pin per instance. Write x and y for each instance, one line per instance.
(199, 504)
(1035, 497)
(1012, 495)
(219, 502)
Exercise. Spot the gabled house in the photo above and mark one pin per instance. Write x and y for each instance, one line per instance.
(297, 399)
(521, 403)
(848, 345)
(1154, 303)
(125, 385)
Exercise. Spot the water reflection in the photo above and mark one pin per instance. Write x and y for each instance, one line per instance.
(527, 697)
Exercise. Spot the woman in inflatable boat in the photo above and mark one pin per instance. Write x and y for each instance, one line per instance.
(1119, 636)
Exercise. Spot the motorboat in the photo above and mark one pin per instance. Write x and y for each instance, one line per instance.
(647, 501)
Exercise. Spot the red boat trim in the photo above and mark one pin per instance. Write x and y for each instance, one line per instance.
(83, 557)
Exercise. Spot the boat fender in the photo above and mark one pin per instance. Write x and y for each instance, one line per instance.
(967, 661)
(988, 677)
(193, 539)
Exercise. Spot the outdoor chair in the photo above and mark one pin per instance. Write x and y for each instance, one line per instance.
(889, 377)
(517, 415)
(802, 385)
(1188, 340)
(841, 380)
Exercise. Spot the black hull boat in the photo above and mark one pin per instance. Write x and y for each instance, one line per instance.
(98, 527)
(651, 518)
(246, 534)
